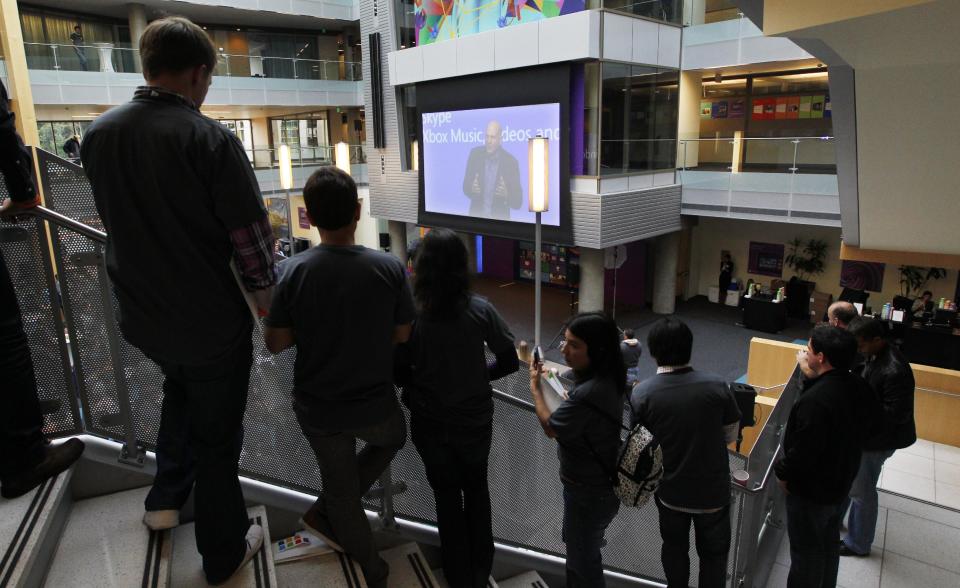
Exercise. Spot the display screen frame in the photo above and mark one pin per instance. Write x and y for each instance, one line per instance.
(520, 87)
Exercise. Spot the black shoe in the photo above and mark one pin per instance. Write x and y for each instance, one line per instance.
(846, 551)
(56, 459)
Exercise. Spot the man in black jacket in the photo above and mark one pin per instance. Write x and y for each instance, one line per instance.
(26, 460)
(821, 455)
(492, 178)
(891, 381)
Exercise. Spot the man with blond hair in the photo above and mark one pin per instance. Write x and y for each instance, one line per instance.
(180, 203)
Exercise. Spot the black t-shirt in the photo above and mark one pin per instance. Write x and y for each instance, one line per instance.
(589, 435)
(686, 411)
(170, 184)
(343, 304)
(450, 382)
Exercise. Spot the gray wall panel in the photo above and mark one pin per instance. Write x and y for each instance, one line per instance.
(393, 192)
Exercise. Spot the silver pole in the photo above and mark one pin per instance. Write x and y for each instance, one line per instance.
(536, 287)
(133, 452)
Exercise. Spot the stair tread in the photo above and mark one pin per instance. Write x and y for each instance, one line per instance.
(332, 570)
(24, 522)
(442, 580)
(408, 567)
(105, 538)
(188, 572)
(524, 580)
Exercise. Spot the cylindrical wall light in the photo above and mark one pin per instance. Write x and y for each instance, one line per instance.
(286, 168)
(342, 156)
(415, 155)
(538, 156)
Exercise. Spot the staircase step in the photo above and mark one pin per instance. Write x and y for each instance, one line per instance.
(442, 580)
(30, 527)
(105, 538)
(188, 572)
(524, 580)
(408, 568)
(332, 570)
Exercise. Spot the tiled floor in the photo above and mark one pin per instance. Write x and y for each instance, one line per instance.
(916, 543)
(926, 471)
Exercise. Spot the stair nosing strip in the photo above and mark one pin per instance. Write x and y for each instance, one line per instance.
(353, 573)
(161, 537)
(256, 557)
(419, 568)
(46, 489)
(262, 556)
(145, 577)
(344, 567)
(19, 532)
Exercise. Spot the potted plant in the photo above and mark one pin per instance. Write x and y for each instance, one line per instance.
(807, 259)
(914, 279)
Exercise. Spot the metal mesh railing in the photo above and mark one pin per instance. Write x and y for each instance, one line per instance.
(121, 394)
(23, 248)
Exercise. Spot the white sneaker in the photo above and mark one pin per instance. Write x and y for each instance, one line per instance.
(161, 520)
(254, 542)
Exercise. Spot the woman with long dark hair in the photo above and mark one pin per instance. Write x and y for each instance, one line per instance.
(447, 389)
(587, 428)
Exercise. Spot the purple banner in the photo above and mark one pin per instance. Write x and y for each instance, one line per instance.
(862, 275)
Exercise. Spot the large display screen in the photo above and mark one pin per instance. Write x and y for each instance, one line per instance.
(475, 162)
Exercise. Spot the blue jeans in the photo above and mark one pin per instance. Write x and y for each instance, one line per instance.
(814, 549)
(587, 511)
(862, 502)
(198, 448)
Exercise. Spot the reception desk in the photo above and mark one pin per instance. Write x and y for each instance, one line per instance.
(764, 315)
(936, 399)
(933, 346)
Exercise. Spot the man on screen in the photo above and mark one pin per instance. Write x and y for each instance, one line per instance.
(492, 179)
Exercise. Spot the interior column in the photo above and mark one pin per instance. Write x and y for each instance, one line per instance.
(591, 280)
(667, 249)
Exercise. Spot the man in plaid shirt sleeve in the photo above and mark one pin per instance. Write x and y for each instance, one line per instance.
(178, 197)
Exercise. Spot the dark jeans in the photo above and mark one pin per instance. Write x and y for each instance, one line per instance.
(814, 531)
(455, 459)
(346, 477)
(587, 512)
(21, 424)
(198, 447)
(712, 536)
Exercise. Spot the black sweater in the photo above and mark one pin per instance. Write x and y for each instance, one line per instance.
(821, 446)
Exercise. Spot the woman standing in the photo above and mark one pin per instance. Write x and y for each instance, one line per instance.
(447, 389)
(587, 429)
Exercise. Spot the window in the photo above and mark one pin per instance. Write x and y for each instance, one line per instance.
(638, 119)
(306, 134)
(53, 134)
(665, 10)
(409, 145)
(405, 16)
(243, 129)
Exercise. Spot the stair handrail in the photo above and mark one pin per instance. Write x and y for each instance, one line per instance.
(66, 222)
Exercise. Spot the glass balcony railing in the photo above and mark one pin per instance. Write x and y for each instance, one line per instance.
(790, 178)
(804, 155)
(269, 158)
(107, 57)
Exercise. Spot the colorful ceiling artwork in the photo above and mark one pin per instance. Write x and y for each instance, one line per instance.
(441, 20)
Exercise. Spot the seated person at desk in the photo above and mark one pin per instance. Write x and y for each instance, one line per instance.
(923, 304)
